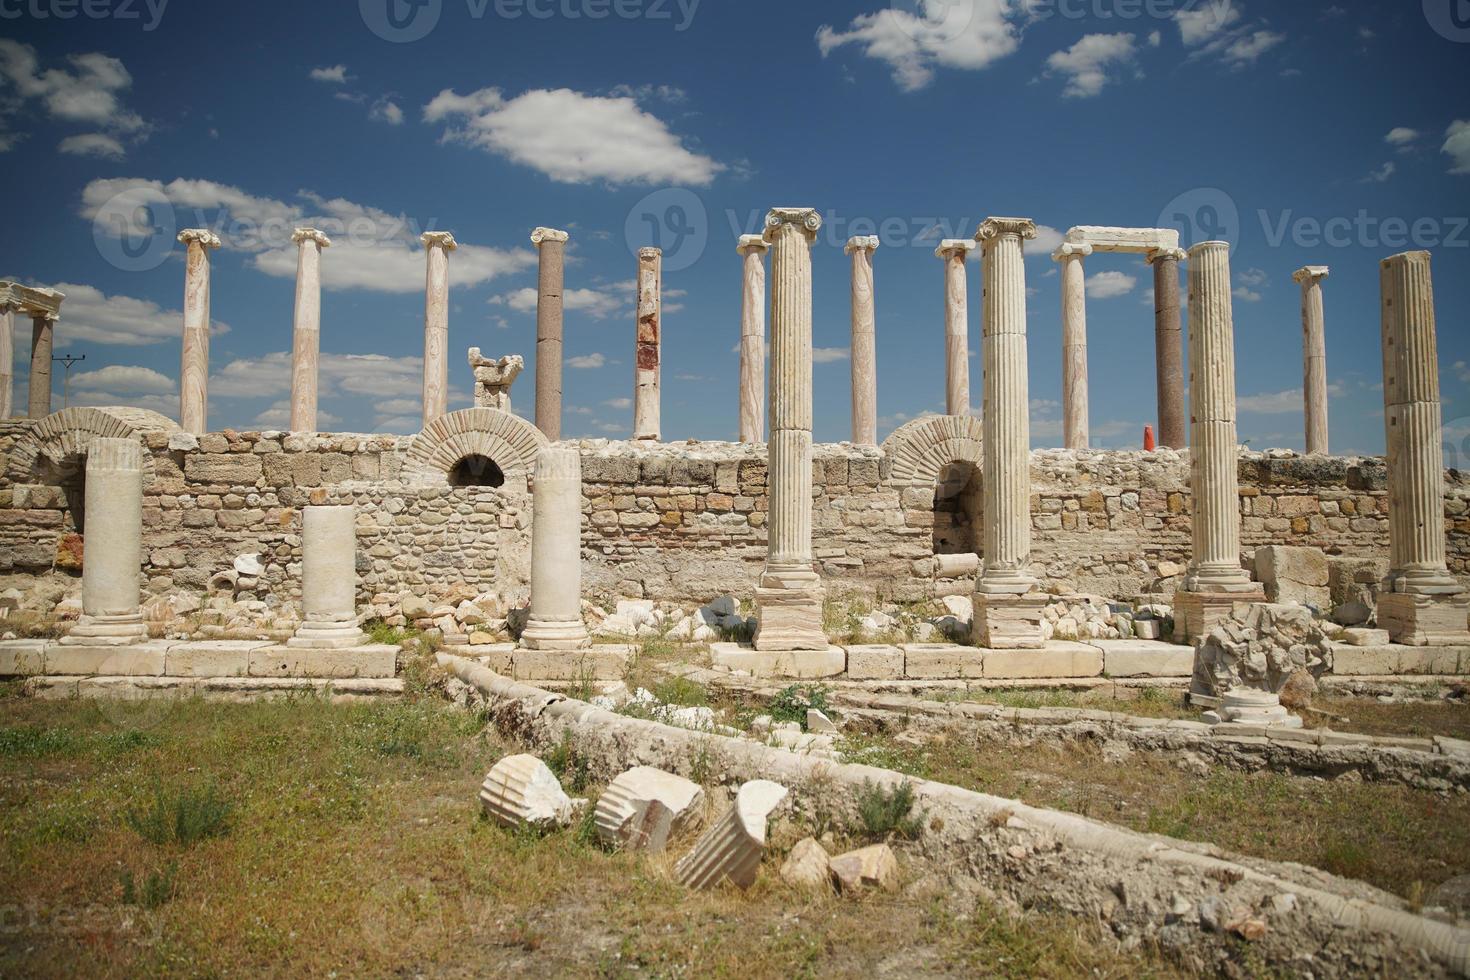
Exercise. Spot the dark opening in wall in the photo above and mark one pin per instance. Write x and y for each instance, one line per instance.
(476, 471)
(958, 510)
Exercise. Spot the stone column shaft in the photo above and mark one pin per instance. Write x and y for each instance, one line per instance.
(556, 553)
(328, 579)
(864, 343)
(1214, 481)
(1168, 348)
(956, 326)
(648, 345)
(7, 360)
(38, 394)
(789, 600)
(551, 244)
(194, 371)
(112, 551)
(752, 250)
(1314, 357)
(1075, 424)
(1007, 408)
(437, 246)
(306, 335)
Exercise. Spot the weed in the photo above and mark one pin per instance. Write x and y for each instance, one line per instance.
(570, 766)
(183, 816)
(792, 703)
(702, 767)
(888, 812)
(681, 691)
(155, 890)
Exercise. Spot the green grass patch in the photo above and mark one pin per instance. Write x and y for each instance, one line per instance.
(184, 815)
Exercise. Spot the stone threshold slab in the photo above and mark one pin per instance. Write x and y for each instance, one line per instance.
(599, 662)
(195, 658)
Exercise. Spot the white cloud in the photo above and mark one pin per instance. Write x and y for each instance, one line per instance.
(1252, 277)
(386, 110)
(671, 94)
(827, 355)
(124, 380)
(1245, 294)
(1086, 63)
(1046, 241)
(1214, 28)
(619, 403)
(1457, 146)
(335, 75)
(571, 137)
(1381, 175)
(1107, 285)
(1155, 39)
(1401, 136)
(587, 362)
(93, 145)
(964, 34)
(1462, 371)
(90, 316)
(1246, 49)
(1200, 23)
(89, 94)
(1275, 403)
(596, 304)
(278, 416)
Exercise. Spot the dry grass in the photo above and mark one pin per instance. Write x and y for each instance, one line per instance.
(1409, 719)
(355, 846)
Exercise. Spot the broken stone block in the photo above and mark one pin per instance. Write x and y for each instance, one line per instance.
(1294, 575)
(819, 724)
(732, 849)
(867, 868)
(644, 807)
(1355, 581)
(1365, 638)
(807, 866)
(521, 791)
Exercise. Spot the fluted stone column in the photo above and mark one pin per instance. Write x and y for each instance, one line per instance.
(7, 359)
(112, 552)
(307, 332)
(551, 244)
(789, 599)
(194, 372)
(1314, 356)
(864, 341)
(956, 325)
(437, 246)
(648, 349)
(556, 553)
(1168, 347)
(1075, 434)
(1422, 602)
(752, 251)
(1215, 579)
(328, 579)
(1003, 618)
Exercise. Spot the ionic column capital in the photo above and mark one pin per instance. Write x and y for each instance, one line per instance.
(960, 247)
(203, 236)
(861, 243)
(1070, 250)
(994, 228)
(807, 219)
(1155, 254)
(649, 254)
(548, 235)
(439, 239)
(310, 235)
(1310, 273)
(750, 244)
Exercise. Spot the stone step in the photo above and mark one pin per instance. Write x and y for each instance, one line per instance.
(64, 688)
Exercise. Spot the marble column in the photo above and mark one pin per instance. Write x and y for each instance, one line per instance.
(38, 393)
(1314, 357)
(1075, 434)
(328, 579)
(789, 598)
(1003, 618)
(864, 341)
(112, 551)
(7, 359)
(556, 553)
(1215, 580)
(1421, 602)
(437, 246)
(752, 251)
(194, 372)
(551, 244)
(306, 343)
(956, 325)
(648, 345)
(1168, 347)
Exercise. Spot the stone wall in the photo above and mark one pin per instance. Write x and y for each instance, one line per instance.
(683, 521)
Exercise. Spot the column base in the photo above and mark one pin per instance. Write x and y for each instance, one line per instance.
(556, 636)
(1419, 620)
(1008, 622)
(788, 609)
(1244, 706)
(1196, 613)
(327, 636)
(107, 631)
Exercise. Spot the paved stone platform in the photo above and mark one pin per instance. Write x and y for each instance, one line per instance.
(134, 688)
(600, 662)
(195, 658)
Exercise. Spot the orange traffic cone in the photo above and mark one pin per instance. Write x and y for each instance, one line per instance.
(1148, 438)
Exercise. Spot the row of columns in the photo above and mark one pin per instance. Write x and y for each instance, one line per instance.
(43, 307)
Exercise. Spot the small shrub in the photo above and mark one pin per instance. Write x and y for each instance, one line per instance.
(406, 736)
(570, 766)
(380, 632)
(155, 889)
(702, 767)
(888, 813)
(184, 816)
(681, 691)
(792, 703)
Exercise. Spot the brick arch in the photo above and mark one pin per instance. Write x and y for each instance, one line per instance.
(917, 452)
(61, 440)
(508, 439)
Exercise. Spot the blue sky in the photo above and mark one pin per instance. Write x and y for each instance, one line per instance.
(1331, 133)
